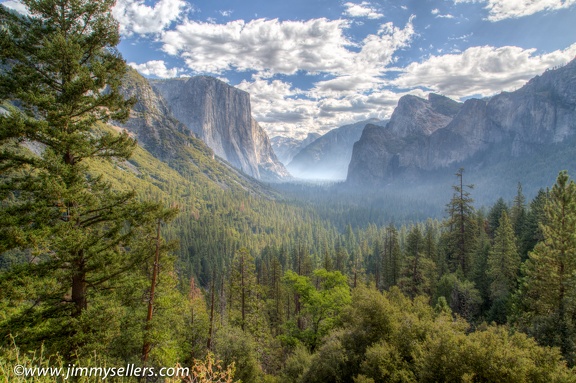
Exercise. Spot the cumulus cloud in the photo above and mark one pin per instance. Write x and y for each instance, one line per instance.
(317, 45)
(364, 9)
(135, 16)
(506, 9)
(481, 70)
(282, 109)
(283, 47)
(155, 68)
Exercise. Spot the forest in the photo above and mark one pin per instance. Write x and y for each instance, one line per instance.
(112, 257)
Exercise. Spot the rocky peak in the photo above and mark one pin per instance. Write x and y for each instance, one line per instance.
(417, 116)
(436, 133)
(221, 116)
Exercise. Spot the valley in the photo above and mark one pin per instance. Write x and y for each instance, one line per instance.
(153, 223)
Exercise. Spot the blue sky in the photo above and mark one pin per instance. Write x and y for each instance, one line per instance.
(312, 65)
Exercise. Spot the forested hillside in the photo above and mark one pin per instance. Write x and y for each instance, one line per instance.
(160, 255)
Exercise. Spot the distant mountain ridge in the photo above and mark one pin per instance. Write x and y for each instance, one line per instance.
(328, 156)
(287, 147)
(439, 133)
(221, 116)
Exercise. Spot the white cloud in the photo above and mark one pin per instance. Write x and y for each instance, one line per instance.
(226, 13)
(135, 16)
(481, 70)
(285, 47)
(155, 68)
(317, 45)
(436, 12)
(284, 110)
(364, 9)
(506, 9)
(17, 6)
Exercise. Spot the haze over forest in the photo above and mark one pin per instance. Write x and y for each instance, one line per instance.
(287, 192)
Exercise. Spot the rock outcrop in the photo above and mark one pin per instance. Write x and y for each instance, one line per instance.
(220, 115)
(426, 135)
(328, 156)
(151, 122)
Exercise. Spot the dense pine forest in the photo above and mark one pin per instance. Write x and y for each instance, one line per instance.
(110, 256)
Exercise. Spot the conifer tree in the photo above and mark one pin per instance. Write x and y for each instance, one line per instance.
(391, 258)
(495, 214)
(418, 270)
(461, 224)
(532, 232)
(59, 79)
(503, 267)
(548, 290)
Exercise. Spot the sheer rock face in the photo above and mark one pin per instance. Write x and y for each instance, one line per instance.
(425, 135)
(151, 122)
(221, 116)
(328, 156)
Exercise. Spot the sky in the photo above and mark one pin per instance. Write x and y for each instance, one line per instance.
(313, 65)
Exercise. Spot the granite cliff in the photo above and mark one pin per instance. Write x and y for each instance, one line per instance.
(220, 115)
(439, 133)
(167, 139)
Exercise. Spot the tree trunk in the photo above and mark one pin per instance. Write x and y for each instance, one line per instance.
(146, 347)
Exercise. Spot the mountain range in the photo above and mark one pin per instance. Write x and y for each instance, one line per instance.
(327, 157)
(525, 128)
(287, 147)
(426, 138)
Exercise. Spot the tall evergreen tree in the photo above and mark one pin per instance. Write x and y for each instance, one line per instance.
(391, 258)
(418, 270)
(503, 268)
(59, 78)
(461, 224)
(548, 290)
(532, 232)
(494, 216)
(518, 212)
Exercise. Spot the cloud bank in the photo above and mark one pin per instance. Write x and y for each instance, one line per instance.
(511, 9)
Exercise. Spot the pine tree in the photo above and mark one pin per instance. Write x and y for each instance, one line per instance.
(503, 268)
(418, 270)
(243, 290)
(59, 81)
(532, 232)
(391, 258)
(518, 212)
(494, 216)
(547, 293)
(461, 224)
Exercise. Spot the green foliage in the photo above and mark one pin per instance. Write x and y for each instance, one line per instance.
(296, 365)
(461, 227)
(503, 267)
(233, 346)
(322, 301)
(419, 271)
(547, 293)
